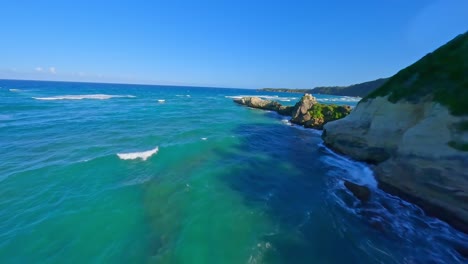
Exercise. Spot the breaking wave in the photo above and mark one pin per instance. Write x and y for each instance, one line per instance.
(267, 97)
(83, 96)
(144, 155)
(340, 99)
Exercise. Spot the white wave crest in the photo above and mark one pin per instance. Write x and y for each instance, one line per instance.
(340, 99)
(15, 90)
(144, 155)
(286, 122)
(357, 172)
(267, 97)
(83, 96)
(161, 101)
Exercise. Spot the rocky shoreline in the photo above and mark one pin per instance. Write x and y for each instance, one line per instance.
(412, 157)
(414, 129)
(435, 181)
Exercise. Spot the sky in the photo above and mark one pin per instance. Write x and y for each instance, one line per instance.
(238, 43)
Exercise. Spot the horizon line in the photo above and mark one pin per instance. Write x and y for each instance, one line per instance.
(124, 83)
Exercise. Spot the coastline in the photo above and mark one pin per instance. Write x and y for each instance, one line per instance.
(373, 157)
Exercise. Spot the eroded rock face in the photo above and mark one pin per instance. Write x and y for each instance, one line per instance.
(300, 112)
(409, 142)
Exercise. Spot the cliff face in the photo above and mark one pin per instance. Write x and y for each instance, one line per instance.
(416, 135)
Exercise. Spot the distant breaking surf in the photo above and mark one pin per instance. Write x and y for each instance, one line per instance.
(144, 155)
(340, 99)
(83, 96)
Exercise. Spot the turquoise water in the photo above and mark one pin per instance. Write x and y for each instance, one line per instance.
(198, 180)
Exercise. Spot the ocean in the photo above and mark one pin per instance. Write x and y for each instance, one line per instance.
(121, 173)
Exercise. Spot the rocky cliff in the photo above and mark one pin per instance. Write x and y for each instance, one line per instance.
(415, 129)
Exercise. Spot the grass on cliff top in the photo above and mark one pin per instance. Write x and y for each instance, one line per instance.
(442, 74)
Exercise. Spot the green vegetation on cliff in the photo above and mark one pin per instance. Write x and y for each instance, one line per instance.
(441, 75)
(329, 112)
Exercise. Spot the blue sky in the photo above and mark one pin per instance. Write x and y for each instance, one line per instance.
(248, 44)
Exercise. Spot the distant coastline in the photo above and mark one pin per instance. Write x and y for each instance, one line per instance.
(356, 90)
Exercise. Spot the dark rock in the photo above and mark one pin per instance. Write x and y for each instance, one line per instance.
(361, 192)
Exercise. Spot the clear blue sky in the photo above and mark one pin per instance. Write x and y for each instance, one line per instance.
(251, 44)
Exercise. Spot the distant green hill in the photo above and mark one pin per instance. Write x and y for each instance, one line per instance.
(441, 75)
(360, 89)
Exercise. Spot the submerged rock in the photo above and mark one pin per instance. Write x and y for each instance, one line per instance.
(361, 192)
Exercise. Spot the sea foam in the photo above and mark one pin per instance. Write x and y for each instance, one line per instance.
(144, 155)
(83, 96)
(340, 99)
(266, 97)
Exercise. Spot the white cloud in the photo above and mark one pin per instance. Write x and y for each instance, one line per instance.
(38, 69)
(52, 70)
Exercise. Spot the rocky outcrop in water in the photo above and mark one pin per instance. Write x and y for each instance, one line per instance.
(256, 102)
(415, 129)
(307, 112)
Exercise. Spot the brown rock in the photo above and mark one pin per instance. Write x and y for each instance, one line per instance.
(300, 112)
